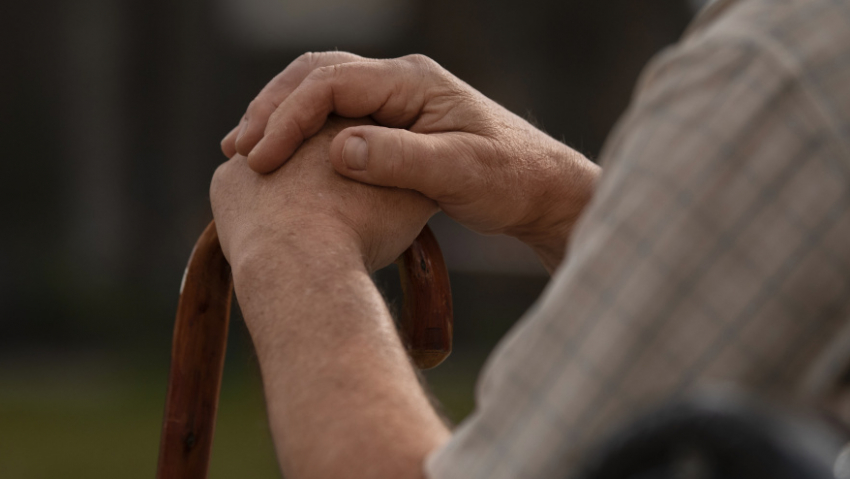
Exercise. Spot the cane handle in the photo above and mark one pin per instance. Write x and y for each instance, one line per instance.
(200, 338)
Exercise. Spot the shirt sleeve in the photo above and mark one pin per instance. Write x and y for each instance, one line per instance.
(714, 251)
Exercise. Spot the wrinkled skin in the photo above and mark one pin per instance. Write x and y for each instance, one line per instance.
(487, 168)
(307, 197)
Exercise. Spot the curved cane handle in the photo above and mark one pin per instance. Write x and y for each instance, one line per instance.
(426, 313)
(200, 339)
(197, 361)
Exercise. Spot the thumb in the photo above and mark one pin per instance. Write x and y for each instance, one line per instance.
(433, 164)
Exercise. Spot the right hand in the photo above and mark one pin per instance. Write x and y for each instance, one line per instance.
(305, 203)
(486, 167)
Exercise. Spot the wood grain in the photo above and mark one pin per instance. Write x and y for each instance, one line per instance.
(426, 316)
(197, 359)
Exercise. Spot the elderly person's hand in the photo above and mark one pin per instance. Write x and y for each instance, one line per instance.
(486, 167)
(306, 204)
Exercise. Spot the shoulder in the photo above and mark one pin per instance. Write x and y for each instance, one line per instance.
(789, 51)
(806, 33)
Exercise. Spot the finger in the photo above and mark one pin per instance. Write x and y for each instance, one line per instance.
(438, 165)
(279, 88)
(393, 92)
(228, 144)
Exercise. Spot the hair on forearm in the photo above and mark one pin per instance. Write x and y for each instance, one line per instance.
(394, 308)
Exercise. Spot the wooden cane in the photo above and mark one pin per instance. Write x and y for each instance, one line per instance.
(200, 338)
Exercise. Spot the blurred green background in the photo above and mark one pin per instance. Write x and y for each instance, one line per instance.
(111, 114)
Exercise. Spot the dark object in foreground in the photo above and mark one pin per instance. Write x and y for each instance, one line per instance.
(200, 338)
(723, 436)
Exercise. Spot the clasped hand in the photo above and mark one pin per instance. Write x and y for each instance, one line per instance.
(306, 205)
(484, 166)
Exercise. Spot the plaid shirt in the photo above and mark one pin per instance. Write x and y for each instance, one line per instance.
(716, 248)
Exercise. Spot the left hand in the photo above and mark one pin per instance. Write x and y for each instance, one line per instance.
(306, 203)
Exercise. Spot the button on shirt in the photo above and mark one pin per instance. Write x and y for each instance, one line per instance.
(716, 248)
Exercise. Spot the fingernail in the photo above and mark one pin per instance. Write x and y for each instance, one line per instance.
(355, 153)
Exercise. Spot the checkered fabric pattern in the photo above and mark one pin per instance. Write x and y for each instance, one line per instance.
(716, 249)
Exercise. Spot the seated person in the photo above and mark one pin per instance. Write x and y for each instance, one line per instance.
(712, 249)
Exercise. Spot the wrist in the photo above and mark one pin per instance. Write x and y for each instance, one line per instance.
(309, 241)
(296, 271)
(558, 203)
(282, 258)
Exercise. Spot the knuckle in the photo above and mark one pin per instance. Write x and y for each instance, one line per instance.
(310, 61)
(252, 107)
(323, 73)
(273, 116)
(336, 71)
(258, 108)
(403, 154)
(307, 59)
(419, 59)
(422, 63)
(326, 74)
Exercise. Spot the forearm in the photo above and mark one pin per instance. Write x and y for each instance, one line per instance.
(343, 399)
